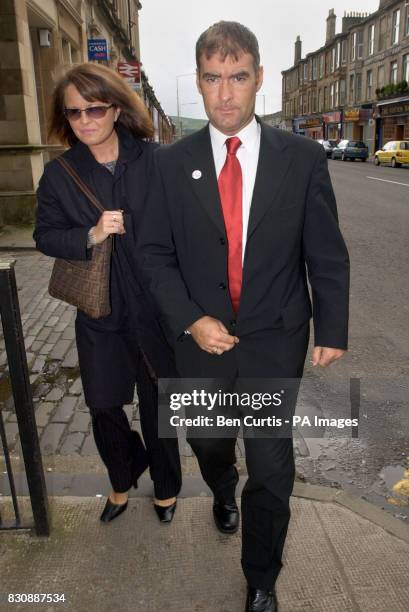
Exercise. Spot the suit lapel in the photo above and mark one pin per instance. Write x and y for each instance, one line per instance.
(273, 164)
(201, 174)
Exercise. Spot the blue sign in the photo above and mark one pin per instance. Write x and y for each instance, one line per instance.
(97, 49)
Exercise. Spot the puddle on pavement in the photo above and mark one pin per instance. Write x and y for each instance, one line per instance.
(396, 479)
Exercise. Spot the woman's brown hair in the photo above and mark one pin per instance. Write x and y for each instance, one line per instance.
(97, 83)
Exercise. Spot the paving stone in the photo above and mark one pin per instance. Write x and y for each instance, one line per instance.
(37, 345)
(38, 365)
(42, 413)
(60, 349)
(80, 422)
(53, 320)
(72, 444)
(28, 341)
(5, 414)
(71, 359)
(46, 349)
(82, 405)
(129, 411)
(61, 325)
(76, 387)
(65, 410)
(89, 447)
(51, 438)
(53, 338)
(12, 417)
(69, 333)
(54, 395)
(3, 358)
(11, 433)
(43, 334)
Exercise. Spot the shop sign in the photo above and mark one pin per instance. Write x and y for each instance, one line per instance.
(351, 114)
(401, 108)
(97, 49)
(332, 117)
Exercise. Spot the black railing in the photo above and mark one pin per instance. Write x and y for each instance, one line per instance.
(23, 404)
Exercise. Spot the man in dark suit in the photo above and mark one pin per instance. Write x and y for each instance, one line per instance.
(237, 214)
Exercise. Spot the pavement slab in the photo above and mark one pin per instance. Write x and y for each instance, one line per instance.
(334, 560)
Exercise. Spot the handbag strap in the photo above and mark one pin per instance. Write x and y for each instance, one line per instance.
(84, 188)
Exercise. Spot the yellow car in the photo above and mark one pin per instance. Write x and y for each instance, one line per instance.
(395, 153)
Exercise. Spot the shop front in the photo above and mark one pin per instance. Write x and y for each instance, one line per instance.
(313, 127)
(358, 124)
(393, 120)
(332, 125)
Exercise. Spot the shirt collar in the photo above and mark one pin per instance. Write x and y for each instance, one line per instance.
(248, 136)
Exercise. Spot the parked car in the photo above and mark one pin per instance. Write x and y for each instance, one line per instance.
(328, 147)
(395, 153)
(350, 149)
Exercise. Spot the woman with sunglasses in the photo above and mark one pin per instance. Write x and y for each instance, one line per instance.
(105, 124)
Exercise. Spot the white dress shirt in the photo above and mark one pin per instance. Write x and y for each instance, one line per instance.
(247, 154)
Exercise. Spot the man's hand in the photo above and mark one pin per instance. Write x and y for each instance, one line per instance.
(324, 356)
(212, 336)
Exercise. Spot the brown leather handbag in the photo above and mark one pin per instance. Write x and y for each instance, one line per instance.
(84, 284)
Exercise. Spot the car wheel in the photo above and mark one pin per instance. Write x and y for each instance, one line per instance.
(364, 159)
(394, 163)
(377, 162)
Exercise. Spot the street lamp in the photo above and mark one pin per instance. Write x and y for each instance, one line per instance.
(179, 76)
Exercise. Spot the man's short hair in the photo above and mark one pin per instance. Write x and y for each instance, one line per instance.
(227, 38)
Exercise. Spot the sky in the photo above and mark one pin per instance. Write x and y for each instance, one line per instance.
(169, 30)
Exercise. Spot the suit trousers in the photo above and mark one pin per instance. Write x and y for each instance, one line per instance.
(270, 466)
(117, 443)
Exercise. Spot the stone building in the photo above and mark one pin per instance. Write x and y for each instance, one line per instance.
(39, 39)
(356, 85)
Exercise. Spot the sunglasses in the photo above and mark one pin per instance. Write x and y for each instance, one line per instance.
(92, 112)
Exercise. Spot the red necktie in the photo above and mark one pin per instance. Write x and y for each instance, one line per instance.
(231, 193)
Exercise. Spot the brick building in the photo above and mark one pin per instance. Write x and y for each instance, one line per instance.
(356, 85)
(39, 39)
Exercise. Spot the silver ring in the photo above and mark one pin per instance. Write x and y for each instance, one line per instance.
(215, 350)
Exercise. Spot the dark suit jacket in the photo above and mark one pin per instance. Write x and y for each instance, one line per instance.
(293, 227)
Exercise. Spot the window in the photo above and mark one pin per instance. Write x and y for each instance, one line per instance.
(314, 68)
(310, 69)
(320, 101)
(407, 21)
(353, 47)
(305, 76)
(352, 89)
(381, 76)
(360, 44)
(314, 101)
(394, 72)
(66, 51)
(342, 92)
(371, 39)
(338, 60)
(358, 87)
(382, 33)
(405, 64)
(395, 26)
(322, 62)
(369, 84)
(331, 96)
(344, 51)
(300, 73)
(300, 104)
(333, 53)
(336, 93)
(325, 98)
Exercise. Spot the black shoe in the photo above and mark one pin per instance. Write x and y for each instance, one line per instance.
(165, 513)
(226, 516)
(261, 601)
(112, 510)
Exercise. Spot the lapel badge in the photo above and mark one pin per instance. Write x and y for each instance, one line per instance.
(196, 174)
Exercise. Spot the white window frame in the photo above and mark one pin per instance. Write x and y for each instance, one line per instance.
(360, 44)
(394, 72)
(353, 47)
(371, 39)
(369, 84)
(405, 67)
(395, 26)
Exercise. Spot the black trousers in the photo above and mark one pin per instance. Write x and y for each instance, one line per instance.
(117, 443)
(270, 460)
